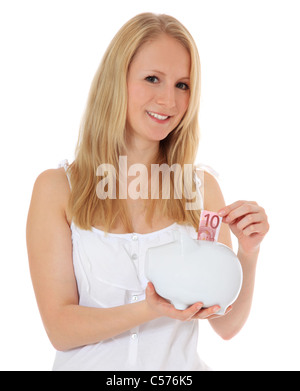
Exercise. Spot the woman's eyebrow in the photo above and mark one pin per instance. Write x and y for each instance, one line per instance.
(162, 73)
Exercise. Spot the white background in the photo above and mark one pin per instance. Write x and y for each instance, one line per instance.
(250, 130)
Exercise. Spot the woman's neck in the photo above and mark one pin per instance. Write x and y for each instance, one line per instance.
(142, 152)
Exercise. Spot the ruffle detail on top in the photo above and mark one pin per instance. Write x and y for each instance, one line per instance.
(209, 169)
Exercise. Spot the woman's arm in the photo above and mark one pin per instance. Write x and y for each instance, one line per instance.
(248, 222)
(49, 244)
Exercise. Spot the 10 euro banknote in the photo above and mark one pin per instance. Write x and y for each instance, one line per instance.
(209, 226)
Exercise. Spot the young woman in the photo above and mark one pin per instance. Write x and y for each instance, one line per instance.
(87, 252)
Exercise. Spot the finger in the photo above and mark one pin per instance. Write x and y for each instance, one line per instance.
(219, 316)
(191, 311)
(241, 211)
(207, 312)
(184, 315)
(229, 208)
(155, 299)
(151, 293)
(249, 219)
(150, 288)
(259, 228)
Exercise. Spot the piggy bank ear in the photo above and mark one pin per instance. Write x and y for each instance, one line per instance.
(187, 244)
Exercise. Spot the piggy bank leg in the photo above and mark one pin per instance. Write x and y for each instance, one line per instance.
(221, 312)
(179, 306)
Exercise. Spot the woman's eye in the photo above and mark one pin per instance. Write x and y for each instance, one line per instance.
(183, 86)
(152, 79)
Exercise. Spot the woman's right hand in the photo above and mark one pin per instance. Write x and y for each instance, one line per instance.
(163, 308)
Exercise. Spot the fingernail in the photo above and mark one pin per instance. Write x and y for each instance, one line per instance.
(221, 213)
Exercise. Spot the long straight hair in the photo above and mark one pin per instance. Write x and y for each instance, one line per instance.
(103, 128)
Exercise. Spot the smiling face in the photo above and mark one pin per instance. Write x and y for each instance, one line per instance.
(158, 88)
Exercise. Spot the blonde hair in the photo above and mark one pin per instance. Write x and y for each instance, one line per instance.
(103, 128)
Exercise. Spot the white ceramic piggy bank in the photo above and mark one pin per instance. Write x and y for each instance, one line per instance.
(187, 271)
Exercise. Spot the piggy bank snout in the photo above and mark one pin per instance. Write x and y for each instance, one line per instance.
(195, 271)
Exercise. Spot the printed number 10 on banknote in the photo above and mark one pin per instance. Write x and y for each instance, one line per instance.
(209, 226)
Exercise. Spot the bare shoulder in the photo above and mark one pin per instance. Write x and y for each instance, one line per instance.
(53, 182)
(51, 189)
(47, 211)
(212, 193)
(213, 196)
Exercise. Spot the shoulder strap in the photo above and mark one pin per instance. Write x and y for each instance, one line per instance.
(65, 164)
(199, 181)
(200, 168)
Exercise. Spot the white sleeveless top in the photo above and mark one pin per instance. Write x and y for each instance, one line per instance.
(109, 270)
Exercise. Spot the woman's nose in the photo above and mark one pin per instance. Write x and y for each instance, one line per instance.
(166, 97)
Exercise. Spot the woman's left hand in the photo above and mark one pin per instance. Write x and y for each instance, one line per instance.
(248, 222)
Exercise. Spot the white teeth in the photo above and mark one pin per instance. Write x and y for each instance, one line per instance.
(160, 117)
